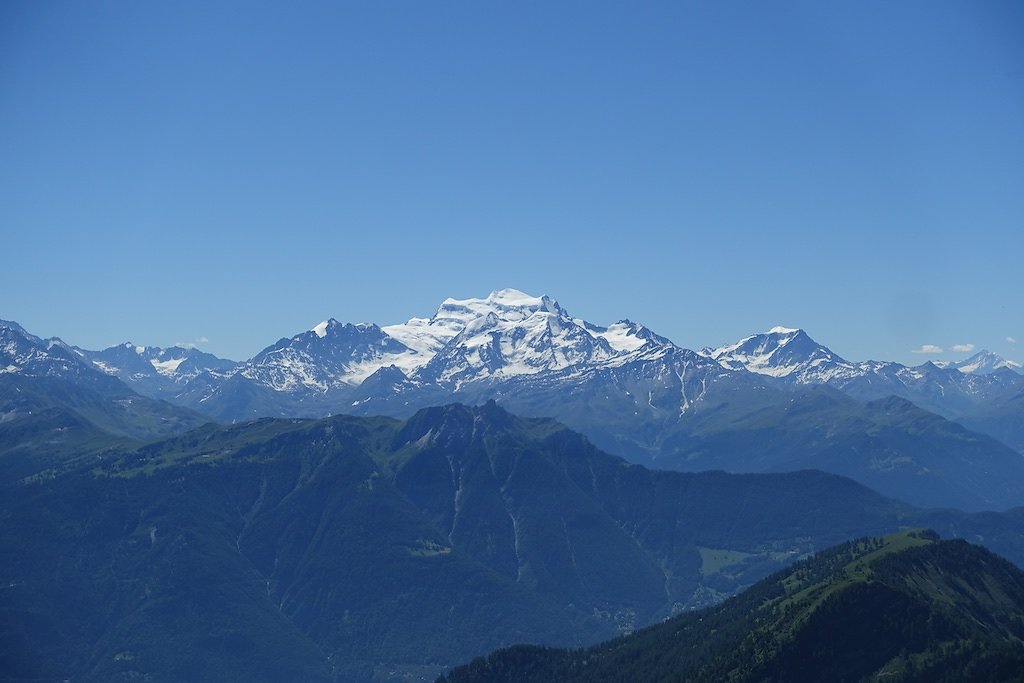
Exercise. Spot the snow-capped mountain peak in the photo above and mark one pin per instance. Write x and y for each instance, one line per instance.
(427, 336)
(130, 346)
(153, 370)
(626, 336)
(334, 354)
(26, 354)
(506, 333)
(781, 352)
(320, 330)
(983, 363)
(332, 327)
(505, 304)
(510, 333)
(329, 355)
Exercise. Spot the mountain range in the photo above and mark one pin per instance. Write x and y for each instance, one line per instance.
(771, 402)
(507, 335)
(145, 540)
(358, 548)
(55, 407)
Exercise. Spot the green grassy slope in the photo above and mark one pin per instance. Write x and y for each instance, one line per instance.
(906, 607)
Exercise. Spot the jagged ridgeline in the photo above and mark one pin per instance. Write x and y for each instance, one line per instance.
(351, 548)
(774, 402)
(906, 607)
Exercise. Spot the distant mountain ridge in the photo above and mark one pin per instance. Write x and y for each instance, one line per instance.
(56, 405)
(791, 355)
(155, 371)
(983, 363)
(975, 391)
(504, 335)
(632, 391)
(507, 334)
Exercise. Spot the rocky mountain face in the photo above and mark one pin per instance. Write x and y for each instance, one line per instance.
(25, 354)
(154, 371)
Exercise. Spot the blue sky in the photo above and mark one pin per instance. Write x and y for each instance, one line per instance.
(236, 172)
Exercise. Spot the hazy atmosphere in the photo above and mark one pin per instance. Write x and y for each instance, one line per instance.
(226, 174)
(522, 342)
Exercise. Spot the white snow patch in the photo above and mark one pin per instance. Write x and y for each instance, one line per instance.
(166, 367)
(425, 336)
(621, 337)
(321, 329)
(507, 304)
(109, 369)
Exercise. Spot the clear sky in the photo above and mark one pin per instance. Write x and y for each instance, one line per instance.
(236, 172)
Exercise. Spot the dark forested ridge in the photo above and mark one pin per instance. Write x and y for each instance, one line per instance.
(906, 607)
(351, 548)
